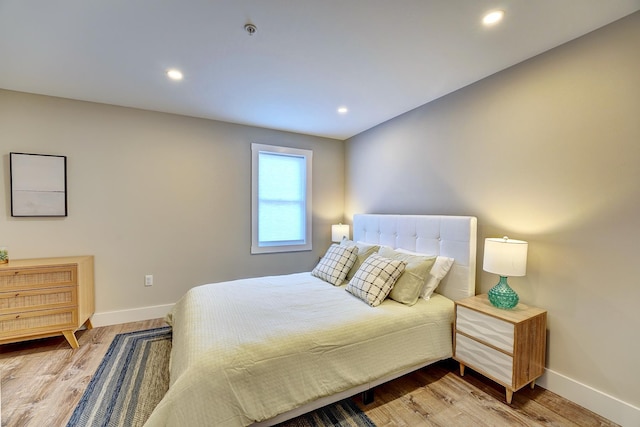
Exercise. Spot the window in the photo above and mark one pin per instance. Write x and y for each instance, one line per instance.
(280, 199)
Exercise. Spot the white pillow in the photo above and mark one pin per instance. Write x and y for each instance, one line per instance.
(375, 278)
(440, 269)
(335, 264)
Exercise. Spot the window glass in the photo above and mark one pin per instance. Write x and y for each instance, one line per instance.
(281, 199)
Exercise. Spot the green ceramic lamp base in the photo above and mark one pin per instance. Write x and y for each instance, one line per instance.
(502, 296)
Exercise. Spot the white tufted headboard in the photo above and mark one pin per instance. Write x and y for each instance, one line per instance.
(451, 236)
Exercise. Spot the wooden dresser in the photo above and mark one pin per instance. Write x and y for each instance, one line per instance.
(507, 346)
(45, 297)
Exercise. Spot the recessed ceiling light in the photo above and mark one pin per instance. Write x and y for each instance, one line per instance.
(174, 74)
(493, 18)
(343, 110)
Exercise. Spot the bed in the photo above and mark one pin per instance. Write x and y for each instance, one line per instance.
(263, 350)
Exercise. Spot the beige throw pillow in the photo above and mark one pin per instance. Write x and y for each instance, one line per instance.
(409, 286)
(364, 251)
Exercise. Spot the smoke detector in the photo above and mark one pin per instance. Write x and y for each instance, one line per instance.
(250, 29)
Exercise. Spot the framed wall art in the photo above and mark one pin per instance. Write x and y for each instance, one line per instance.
(38, 184)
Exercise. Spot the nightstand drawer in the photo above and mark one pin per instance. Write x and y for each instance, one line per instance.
(493, 331)
(487, 360)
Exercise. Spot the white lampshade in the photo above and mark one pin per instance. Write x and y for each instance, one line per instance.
(505, 257)
(338, 231)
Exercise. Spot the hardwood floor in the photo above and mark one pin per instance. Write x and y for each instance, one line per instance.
(43, 380)
(438, 396)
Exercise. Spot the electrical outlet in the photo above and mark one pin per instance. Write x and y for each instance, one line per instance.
(148, 280)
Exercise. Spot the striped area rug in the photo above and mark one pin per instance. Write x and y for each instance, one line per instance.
(130, 381)
(134, 376)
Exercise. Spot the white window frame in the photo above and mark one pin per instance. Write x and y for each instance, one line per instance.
(256, 247)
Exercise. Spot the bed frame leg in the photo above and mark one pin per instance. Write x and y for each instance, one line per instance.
(367, 396)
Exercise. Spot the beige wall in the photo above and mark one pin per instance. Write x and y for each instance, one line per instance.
(549, 152)
(153, 193)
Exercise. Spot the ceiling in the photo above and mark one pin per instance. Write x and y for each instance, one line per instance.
(379, 58)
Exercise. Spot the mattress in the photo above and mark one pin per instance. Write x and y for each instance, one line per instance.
(247, 350)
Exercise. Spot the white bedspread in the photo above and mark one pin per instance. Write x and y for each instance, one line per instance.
(248, 350)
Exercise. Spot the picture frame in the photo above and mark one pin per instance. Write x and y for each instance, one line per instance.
(38, 185)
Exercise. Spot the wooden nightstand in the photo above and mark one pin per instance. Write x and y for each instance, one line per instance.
(507, 346)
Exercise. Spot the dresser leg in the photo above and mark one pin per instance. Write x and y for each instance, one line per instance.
(533, 384)
(71, 338)
(509, 395)
(461, 369)
(88, 324)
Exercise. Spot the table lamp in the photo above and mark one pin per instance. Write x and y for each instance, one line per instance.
(504, 257)
(338, 231)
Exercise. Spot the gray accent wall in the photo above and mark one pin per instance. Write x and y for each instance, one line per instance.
(547, 151)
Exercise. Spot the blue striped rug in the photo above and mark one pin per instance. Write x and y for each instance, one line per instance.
(130, 381)
(134, 376)
(341, 414)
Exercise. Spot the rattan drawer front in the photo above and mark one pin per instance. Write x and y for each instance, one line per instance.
(21, 301)
(495, 332)
(33, 278)
(35, 322)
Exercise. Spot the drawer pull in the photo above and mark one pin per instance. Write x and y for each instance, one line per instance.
(17, 316)
(17, 295)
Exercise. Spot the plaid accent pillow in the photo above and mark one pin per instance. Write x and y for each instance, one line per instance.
(375, 278)
(335, 264)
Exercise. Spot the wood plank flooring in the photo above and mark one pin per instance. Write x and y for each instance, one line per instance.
(438, 396)
(42, 382)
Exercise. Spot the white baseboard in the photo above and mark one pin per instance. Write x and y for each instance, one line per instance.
(132, 315)
(594, 400)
